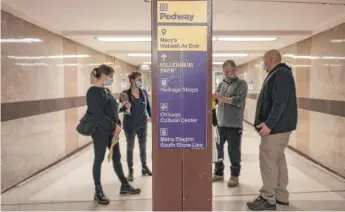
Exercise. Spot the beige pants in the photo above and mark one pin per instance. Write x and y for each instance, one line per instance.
(273, 167)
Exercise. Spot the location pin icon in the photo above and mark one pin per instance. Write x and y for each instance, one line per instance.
(164, 31)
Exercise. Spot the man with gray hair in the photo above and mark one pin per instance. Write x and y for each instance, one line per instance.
(275, 119)
(230, 94)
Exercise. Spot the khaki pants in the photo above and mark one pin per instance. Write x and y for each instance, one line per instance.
(273, 167)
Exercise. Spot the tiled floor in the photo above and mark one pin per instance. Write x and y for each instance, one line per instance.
(69, 186)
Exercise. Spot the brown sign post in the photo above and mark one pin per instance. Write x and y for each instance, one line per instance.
(181, 105)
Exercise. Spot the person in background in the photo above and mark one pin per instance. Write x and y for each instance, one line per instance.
(135, 122)
(231, 95)
(102, 106)
(215, 132)
(275, 119)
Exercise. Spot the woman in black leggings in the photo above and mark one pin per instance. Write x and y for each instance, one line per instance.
(135, 122)
(103, 108)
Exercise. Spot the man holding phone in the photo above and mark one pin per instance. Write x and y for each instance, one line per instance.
(231, 94)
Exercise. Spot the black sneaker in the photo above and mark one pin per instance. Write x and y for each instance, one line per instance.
(282, 203)
(130, 175)
(146, 171)
(99, 197)
(128, 189)
(261, 204)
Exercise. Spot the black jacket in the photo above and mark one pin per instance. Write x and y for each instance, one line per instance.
(142, 110)
(102, 109)
(277, 103)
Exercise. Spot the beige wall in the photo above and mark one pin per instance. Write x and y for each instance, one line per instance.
(30, 143)
(320, 135)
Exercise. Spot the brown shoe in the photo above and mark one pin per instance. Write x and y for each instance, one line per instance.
(216, 178)
(233, 181)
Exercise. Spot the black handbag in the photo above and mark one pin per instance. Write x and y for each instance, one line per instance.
(87, 125)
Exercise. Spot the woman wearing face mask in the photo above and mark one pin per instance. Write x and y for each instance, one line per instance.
(102, 106)
(135, 122)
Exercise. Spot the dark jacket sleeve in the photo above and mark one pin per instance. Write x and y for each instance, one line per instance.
(95, 105)
(148, 104)
(281, 90)
(241, 94)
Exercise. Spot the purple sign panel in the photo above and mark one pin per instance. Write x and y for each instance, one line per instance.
(182, 100)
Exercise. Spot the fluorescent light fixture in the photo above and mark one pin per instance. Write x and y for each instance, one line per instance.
(334, 65)
(214, 38)
(246, 39)
(145, 67)
(67, 65)
(333, 58)
(21, 40)
(139, 54)
(124, 39)
(314, 57)
(301, 57)
(68, 56)
(300, 66)
(214, 63)
(97, 64)
(230, 55)
(338, 40)
(46, 57)
(83, 65)
(31, 64)
(214, 55)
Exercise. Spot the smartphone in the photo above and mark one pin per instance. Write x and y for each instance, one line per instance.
(123, 97)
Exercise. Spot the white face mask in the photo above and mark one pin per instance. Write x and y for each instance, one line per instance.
(108, 81)
(138, 84)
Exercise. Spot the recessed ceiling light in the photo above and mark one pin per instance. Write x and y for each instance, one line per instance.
(22, 40)
(125, 39)
(246, 39)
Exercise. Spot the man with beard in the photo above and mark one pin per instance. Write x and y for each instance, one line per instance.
(230, 95)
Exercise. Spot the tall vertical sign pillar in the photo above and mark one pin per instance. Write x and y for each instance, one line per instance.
(181, 97)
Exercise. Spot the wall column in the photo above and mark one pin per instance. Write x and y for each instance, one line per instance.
(181, 99)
